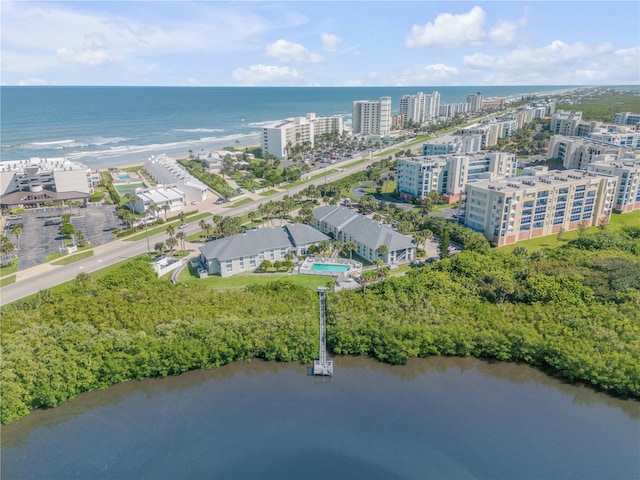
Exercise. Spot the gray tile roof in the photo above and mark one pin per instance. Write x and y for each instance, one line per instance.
(302, 234)
(246, 244)
(362, 229)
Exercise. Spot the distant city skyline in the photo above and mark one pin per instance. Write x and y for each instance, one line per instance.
(328, 43)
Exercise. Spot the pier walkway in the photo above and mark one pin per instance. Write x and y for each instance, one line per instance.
(322, 366)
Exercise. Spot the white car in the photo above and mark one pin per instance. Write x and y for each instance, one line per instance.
(182, 225)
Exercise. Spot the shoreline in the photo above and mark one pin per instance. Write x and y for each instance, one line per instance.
(120, 166)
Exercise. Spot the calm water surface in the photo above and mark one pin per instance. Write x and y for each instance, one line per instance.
(434, 418)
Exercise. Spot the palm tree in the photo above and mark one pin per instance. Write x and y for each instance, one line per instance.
(17, 231)
(171, 231)
(154, 209)
(382, 250)
(378, 263)
(159, 247)
(171, 242)
(165, 207)
(351, 246)
(182, 237)
(6, 247)
(203, 226)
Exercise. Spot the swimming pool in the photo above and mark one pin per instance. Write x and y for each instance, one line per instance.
(330, 267)
(123, 177)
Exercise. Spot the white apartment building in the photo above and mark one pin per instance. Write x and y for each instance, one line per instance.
(452, 109)
(627, 169)
(171, 196)
(565, 123)
(39, 180)
(448, 174)
(372, 117)
(279, 137)
(626, 118)
(165, 170)
(511, 210)
(578, 152)
(489, 132)
(626, 137)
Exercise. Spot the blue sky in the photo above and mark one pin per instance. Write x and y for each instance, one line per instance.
(327, 43)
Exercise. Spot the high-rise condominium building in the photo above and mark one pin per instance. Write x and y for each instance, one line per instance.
(372, 117)
(475, 102)
(278, 138)
(579, 152)
(627, 169)
(448, 174)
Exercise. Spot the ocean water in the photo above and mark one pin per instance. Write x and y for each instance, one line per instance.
(102, 126)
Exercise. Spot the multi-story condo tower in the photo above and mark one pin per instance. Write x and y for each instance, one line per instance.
(448, 174)
(280, 137)
(626, 118)
(510, 210)
(627, 169)
(372, 117)
(578, 152)
(475, 102)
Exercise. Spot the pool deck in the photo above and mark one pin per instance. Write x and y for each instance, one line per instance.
(355, 267)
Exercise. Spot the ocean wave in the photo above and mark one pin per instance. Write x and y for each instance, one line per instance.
(107, 140)
(157, 148)
(56, 145)
(52, 143)
(198, 130)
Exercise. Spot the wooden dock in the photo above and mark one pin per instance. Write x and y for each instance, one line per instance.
(322, 366)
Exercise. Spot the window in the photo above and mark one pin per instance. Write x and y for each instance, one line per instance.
(241, 263)
(252, 261)
(228, 266)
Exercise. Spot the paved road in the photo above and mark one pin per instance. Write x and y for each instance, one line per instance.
(32, 280)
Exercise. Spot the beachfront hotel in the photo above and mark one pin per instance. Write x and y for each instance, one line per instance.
(344, 225)
(280, 136)
(509, 210)
(448, 174)
(371, 117)
(42, 180)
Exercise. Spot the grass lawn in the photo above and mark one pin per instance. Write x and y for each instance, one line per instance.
(618, 220)
(7, 280)
(11, 267)
(243, 280)
(244, 201)
(67, 259)
(163, 227)
(268, 193)
(387, 188)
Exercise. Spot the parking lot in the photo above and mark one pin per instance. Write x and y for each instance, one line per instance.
(37, 239)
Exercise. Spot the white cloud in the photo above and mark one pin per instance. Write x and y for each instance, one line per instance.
(87, 57)
(33, 81)
(449, 30)
(504, 33)
(330, 42)
(290, 52)
(267, 75)
(557, 63)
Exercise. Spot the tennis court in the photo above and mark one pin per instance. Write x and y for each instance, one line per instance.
(124, 188)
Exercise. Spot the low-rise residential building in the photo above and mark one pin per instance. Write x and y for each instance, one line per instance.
(345, 225)
(448, 174)
(509, 210)
(40, 180)
(627, 169)
(165, 170)
(626, 137)
(246, 251)
(161, 195)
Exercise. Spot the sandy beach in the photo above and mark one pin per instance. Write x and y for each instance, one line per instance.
(140, 163)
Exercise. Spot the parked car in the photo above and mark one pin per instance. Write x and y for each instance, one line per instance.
(53, 221)
(182, 225)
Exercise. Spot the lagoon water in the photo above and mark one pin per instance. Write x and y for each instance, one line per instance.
(454, 418)
(114, 125)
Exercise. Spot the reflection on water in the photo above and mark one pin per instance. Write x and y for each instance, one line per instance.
(445, 407)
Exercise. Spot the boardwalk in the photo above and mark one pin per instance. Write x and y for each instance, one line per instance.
(322, 366)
